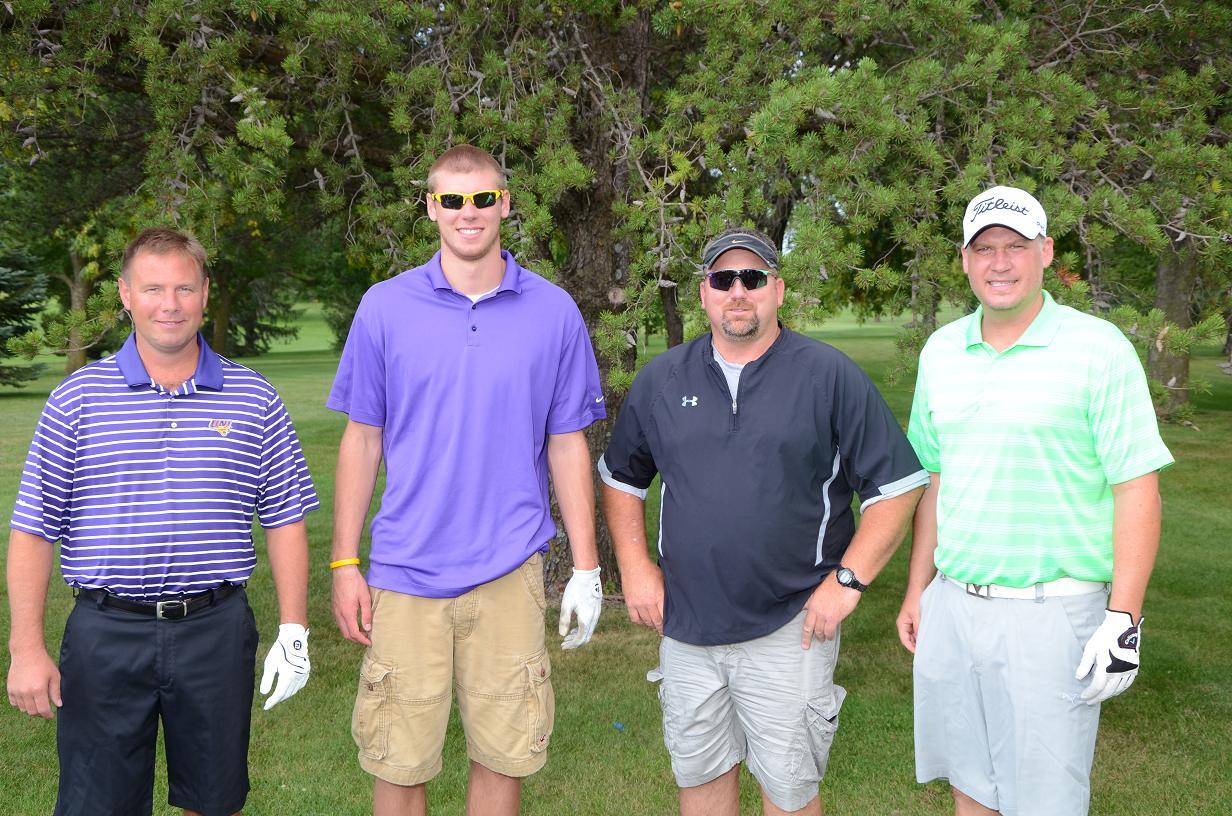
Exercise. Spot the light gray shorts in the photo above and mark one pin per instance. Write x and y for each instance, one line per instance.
(997, 711)
(765, 700)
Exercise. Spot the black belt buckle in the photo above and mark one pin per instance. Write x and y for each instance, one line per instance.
(979, 591)
(171, 610)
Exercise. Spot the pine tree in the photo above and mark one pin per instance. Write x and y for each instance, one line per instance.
(22, 293)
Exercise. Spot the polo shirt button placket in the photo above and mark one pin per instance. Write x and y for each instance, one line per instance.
(472, 338)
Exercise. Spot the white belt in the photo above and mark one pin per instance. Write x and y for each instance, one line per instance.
(1047, 589)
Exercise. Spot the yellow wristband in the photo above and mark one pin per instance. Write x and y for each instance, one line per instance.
(343, 562)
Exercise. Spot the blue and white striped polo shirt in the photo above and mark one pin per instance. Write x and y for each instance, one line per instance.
(151, 493)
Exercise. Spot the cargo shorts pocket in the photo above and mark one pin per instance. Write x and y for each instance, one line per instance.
(370, 722)
(821, 718)
(671, 720)
(540, 702)
(532, 575)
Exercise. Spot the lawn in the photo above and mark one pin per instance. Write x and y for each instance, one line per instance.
(1162, 747)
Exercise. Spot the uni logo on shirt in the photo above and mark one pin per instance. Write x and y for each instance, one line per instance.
(222, 426)
(688, 402)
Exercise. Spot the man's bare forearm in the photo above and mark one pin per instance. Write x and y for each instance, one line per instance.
(287, 548)
(921, 567)
(1136, 519)
(626, 520)
(570, 467)
(29, 565)
(359, 460)
(883, 526)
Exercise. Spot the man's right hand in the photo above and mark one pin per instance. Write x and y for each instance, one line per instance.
(352, 604)
(643, 590)
(908, 621)
(34, 683)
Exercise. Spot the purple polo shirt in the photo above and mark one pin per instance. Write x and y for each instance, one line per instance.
(151, 493)
(467, 394)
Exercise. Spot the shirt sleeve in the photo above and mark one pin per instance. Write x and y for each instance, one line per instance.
(577, 399)
(46, 487)
(628, 464)
(1122, 418)
(284, 493)
(920, 429)
(359, 385)
(876, 457)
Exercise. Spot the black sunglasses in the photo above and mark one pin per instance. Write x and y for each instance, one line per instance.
(454, 201)
(723, 279)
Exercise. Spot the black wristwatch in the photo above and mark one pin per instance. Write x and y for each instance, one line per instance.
(847, 578)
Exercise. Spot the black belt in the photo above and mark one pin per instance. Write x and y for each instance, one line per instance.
(172, 609)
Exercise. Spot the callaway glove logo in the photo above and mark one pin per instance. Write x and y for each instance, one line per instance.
(1129, 639)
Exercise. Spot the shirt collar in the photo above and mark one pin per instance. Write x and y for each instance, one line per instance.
(1040, 333)
(209, 365)
(511, 281)
(710, 352)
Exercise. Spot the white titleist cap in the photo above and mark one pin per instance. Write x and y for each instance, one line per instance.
(1004, 207)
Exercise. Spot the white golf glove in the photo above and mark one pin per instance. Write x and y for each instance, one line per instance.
(1113, 654)
(584, 596)
(288, 659)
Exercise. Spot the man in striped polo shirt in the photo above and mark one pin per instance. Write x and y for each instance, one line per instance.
(147, 467)
(1037, 427)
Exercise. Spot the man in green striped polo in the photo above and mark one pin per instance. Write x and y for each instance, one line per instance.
(1035, 541)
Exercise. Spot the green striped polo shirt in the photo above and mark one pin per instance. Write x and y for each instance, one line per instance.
(1028, 443)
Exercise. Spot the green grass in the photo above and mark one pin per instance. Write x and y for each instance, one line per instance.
(1162, 747)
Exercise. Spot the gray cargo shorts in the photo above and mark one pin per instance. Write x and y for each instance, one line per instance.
(765, 701)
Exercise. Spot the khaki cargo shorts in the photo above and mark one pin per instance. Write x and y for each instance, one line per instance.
(488, 645)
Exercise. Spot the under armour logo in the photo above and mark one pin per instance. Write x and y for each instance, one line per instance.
(688, 402)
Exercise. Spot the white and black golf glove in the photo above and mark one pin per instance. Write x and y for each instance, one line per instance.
(288, 661)
(1112, 653)
(583, 595)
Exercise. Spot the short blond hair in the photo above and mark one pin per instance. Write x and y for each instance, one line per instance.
(165, 241)
(464, 158)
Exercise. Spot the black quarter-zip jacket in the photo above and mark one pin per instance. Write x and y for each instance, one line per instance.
(757, 486)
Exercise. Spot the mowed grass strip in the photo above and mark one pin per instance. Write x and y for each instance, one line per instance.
(1162, 747)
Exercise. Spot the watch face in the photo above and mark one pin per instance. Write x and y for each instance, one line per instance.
(845, 576)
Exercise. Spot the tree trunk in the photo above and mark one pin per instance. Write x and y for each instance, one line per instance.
(672, 323)
(1175, 279)
(597, 264)
(923, 302)
(1227, 343)
(78, 292)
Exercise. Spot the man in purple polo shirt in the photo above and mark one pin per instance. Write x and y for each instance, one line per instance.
(474, 379)
(147, 467)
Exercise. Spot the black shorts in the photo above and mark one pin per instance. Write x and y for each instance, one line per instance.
(120, 672)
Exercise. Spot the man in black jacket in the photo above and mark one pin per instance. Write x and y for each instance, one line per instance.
(761, 437)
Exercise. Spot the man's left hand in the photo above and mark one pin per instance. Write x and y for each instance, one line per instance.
(825, 610)
(288, 660)
(1113, 654)
(584, 596)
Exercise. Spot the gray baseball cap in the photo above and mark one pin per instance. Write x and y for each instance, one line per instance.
(741, 238)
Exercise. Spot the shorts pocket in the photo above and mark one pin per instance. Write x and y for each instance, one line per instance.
(532, 575)
(821, 716)
(540, 702)
(671, 719)
(370, 721)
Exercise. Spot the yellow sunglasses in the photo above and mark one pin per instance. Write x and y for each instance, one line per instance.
(456, 201)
